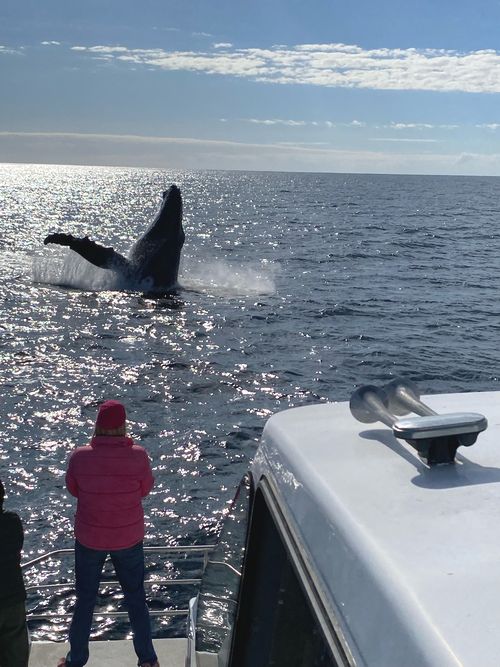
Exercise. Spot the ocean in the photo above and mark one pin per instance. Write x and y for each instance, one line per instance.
(295, 289)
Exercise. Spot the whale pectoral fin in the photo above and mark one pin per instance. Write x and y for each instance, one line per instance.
(60, 239)
(104, 258)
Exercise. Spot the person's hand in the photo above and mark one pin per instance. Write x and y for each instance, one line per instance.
(60, 239)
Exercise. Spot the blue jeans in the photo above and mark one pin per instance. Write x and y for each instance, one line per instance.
(129, 568)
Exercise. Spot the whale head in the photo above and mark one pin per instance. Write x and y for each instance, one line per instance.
(156, 254)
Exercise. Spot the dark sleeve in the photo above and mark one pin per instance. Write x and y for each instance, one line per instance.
(18, 533)
(12, 535)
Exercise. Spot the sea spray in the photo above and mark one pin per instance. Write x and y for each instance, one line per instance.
(223, 277)
(66, 268)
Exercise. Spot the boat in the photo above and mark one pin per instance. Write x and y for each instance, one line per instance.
(363, 535)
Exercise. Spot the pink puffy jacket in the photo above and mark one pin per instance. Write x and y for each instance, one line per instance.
(109, 477)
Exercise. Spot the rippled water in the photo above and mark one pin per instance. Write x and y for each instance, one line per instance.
(296, 288)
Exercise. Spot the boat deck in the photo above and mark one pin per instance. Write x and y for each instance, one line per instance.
(171, 653)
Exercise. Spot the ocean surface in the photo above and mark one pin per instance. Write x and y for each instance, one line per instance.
(295, 289)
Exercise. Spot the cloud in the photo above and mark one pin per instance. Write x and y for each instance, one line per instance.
(111, 51)
(7, 51)
(410, 126)
(353, 123)
(489, 126)
(51, 43)
(420, 126)
(279, 121)
(302, 143)
(329, 65)
(166, 29)
(356, 124)
(405, 139)
(191, 153)
(465, 158)
(223, 45)
(292, 123)
(109, 137)
(397, 126)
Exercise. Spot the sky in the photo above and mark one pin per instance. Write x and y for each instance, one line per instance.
(392, 86)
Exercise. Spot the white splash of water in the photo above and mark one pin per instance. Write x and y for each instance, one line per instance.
(14, 264)
(223, 277)
(66, 268)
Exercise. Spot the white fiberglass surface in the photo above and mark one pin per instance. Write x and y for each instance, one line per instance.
(406, 555)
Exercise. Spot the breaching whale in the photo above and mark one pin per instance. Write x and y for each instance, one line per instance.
(153, 259)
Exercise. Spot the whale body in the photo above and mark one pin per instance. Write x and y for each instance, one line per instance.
(153, 259)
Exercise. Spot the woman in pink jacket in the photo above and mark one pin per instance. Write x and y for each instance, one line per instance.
(109, 477)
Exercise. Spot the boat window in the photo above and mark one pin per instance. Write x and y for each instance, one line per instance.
(222, 577)
(275, 623)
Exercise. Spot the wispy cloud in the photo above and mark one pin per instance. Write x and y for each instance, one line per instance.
(7, 51)
(406, 140)
(191, 153)
(90, 136)
(330, 65)
(279, 121)
(489, 126)
(299, 123)
(51, 43)
(358, 124)
(303, 143)
(95, 139)
(420, 126)
(110, 51)
(166, 28)
(156, 140)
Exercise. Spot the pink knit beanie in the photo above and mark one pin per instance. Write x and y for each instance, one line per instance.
(111, 415)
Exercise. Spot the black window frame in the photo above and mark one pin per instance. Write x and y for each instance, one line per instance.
(256, 572)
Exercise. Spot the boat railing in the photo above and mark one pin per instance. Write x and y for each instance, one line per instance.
(203, 550)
